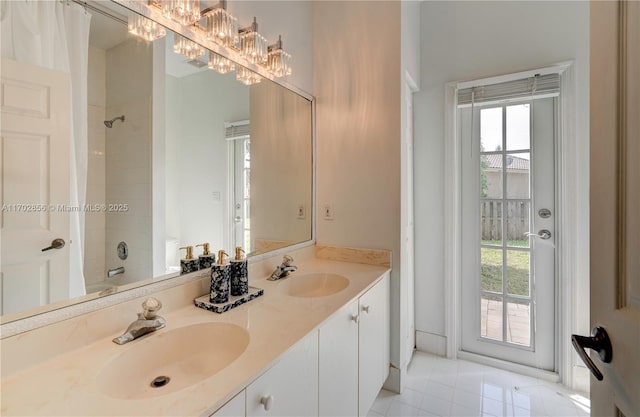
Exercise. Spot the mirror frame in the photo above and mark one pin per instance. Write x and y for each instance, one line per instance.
(13, 324)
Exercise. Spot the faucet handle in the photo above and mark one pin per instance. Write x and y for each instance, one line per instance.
(287, 260)
(150, 307)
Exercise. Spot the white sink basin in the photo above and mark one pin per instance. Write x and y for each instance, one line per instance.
(186, 355)
(317, 284)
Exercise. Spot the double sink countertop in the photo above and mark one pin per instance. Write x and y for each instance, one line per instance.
(85, 381)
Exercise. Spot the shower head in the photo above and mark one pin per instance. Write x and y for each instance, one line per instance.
(109, 123)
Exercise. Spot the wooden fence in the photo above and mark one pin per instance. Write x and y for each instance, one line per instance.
(517, 213)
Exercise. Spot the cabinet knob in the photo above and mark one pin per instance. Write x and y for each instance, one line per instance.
(267, 402)
(355, 318)
(366, 309)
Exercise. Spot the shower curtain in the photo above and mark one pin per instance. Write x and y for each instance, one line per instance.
(55, 35)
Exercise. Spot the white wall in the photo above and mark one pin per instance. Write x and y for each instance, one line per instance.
(471, 40)
(196, 154)
(128, 164)
(357, 74)
(94, 249)
(409, 76)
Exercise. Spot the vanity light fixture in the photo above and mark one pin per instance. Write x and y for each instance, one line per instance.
(253, 46)
(186, 47)
(221, 27)
(145, 28)
(185, 12)
(220, 64)
(278, 61)
(247, 77)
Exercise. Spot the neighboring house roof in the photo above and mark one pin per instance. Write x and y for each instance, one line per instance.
(494, 161)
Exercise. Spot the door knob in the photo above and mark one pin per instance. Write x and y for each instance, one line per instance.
(542, 234)
(600, 342)
(55, 244)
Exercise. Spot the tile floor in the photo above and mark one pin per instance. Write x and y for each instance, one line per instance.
(441, 387)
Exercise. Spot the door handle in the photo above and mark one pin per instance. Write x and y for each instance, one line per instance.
(55, 244)
(600, 342)
(542, 234)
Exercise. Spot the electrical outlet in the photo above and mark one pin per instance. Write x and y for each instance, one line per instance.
(215, 195)
(301, 211)
(328, 212)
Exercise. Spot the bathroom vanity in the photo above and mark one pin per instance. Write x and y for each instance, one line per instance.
(316, 343)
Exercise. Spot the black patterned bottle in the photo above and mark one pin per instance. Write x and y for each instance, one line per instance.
(206, 260)
(220, 280)
(188, 264)
(239, 274)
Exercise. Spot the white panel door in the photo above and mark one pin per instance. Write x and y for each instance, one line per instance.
(338, 370)
(615, 203)
(34, 175)
(290, 387)
(373, 350)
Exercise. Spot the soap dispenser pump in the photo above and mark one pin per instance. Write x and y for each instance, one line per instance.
(206, 260)
(220, 279)
(188, 264)
(239, 273)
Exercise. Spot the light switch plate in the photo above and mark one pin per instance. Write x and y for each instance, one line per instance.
(327, 212)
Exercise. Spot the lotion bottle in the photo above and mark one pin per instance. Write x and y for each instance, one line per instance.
(206, 260)
(188, 264)
(220, 280)
(239, 274)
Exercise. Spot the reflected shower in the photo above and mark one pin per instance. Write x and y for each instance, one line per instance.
(109, 123)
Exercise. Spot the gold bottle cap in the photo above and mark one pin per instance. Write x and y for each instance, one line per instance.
(221, 255)
(205, 248)
(239, 253)
(189, 252)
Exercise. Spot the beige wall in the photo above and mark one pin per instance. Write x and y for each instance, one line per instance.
(357, 86)
(280, 164)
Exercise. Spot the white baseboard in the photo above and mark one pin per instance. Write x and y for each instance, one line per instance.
(581, 379)
(431, 343)
(394, 380)
(510, 366)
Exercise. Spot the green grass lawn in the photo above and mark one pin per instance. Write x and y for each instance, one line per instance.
(517, 270)
(513, 243)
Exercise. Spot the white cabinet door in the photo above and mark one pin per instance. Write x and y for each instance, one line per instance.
(234, 408)
(373, 358)
(338, 373)
(290, 387)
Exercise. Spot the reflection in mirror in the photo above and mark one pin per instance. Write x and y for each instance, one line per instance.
(127, 152)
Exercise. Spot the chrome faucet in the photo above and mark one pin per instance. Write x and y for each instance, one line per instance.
(283, 269)
(147, 322)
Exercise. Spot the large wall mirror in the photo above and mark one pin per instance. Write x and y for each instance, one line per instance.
(117, 152)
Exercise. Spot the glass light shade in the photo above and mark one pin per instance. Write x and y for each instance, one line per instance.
(186, 47)
(247, 77)
(220, 64)
(222, 28)
(185, 12)
(279, 63)
(253, 47)
(145, 28)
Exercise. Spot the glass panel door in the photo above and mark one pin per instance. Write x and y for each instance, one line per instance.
(506, 168)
